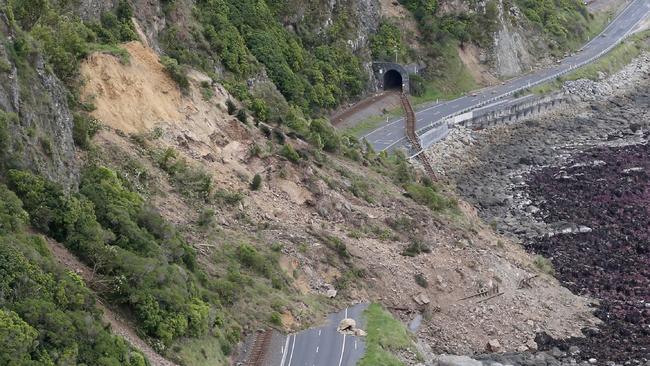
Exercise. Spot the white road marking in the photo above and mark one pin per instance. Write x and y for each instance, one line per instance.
(343, 347)
(293, 346)
(317, 348)
(389, 146)
(319, 332)
(355, 344)
(284, 350)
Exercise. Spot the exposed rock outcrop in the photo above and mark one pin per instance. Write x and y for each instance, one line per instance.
(40, 135)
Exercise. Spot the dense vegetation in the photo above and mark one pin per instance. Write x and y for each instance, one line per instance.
(244, 35)
(62, 37)
(476, 27)
(47, 315)
(563, 20)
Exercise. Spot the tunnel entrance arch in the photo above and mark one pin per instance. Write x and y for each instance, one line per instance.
(392, 80)
(391, 76)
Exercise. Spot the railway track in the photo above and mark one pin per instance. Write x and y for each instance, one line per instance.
(413, 137)
(262, 342)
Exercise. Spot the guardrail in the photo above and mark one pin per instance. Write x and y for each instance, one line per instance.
(437, 123)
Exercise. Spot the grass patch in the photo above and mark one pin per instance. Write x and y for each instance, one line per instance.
(114, 50)
(544, 264)
(450, 80)
(431, 197)
(204, 351)
(385, 334)
(372, 122)
(610, 63)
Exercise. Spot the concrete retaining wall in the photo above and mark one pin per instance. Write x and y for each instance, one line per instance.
(517, 112)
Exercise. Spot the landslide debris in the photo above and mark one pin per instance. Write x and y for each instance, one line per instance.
(572, 186)
(336, 225)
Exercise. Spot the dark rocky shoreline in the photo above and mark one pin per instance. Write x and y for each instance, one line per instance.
(575, 187)
(610, 258)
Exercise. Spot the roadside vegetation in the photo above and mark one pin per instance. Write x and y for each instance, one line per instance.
(372, 122)
(565, 21)
(609, 64)
(386, 336)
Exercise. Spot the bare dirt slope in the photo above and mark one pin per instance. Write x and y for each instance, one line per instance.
(470, 55)
(305, 209)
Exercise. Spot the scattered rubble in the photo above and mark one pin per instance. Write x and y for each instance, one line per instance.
(589, 90)
(492, 169)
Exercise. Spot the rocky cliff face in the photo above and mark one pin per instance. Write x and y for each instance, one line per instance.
(40, 123)
(516, 47)
(356, 20)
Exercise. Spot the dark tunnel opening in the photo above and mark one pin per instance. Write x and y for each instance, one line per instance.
(392, 80)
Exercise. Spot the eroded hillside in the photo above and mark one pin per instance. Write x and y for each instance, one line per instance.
(202, 197)
(333, 224)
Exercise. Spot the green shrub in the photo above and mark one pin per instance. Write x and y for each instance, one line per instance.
(288, 152)
(260, 110)
(232, 108)
(430, 197)
(84, 129)
(46, 145)
(387, 44)
(206, 217)
(251, 258)
(17, 339)
(5, 119)
(416, 247)
(228, 198)
(242, 116)
(190, 180)
(206, 91)
(326, 133)
(177, 72)
(417, 86)
(64, 38)
(361, 188)
(421, 280)
(12, 215)
(48, 315)
(256, 183)
(544, 265)
(275, 318)
(402, 223)
(335, 244)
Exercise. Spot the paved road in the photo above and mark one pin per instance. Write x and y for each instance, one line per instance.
(392, 135)
(324, 346)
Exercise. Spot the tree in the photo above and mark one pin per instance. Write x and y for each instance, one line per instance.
(257, 182)
(17, 339)
(12, 215)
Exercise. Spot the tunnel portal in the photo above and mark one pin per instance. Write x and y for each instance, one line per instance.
(392, 80)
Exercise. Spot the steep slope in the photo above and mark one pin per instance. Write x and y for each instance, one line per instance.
(209, 199)
(33, 105)
(118, 325)
(332, 228)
